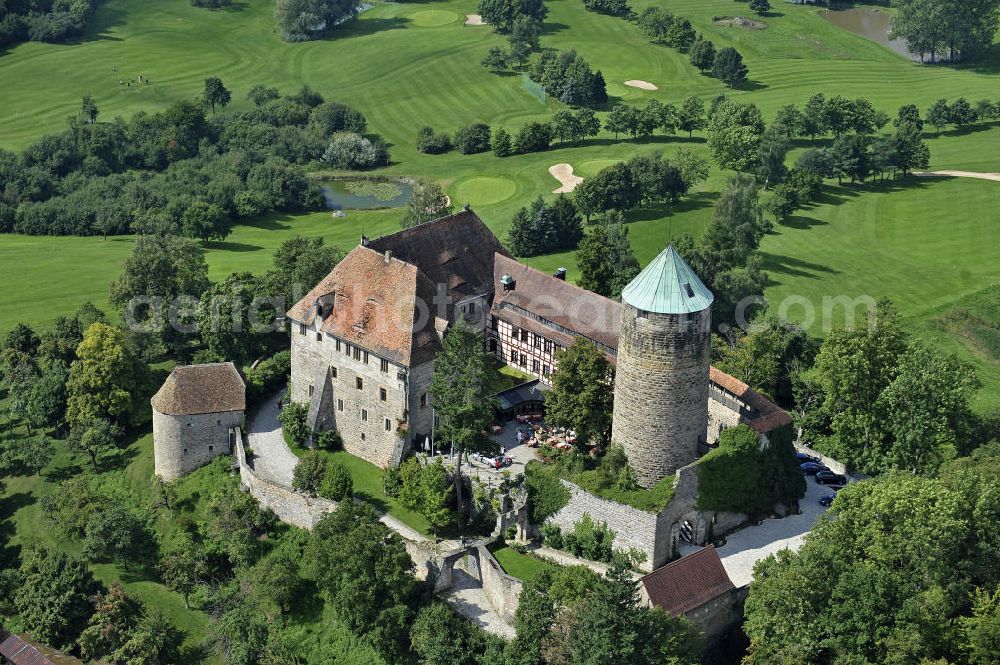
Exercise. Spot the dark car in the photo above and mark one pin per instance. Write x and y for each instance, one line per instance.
(827, 499)
(828, 477)
(812, 468)
(805, 457)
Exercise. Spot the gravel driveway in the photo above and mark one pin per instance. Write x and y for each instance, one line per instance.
(272, 459)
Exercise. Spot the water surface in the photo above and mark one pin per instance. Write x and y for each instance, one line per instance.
(872, 23)
(339, 197)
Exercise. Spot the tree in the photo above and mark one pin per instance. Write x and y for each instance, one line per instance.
(462, 399)
(46, 405)
(692, 115)
(620, 120)
(309, 473)
(773, 149)
(564, 125)
(784, 201)
(157, 285)
(276, 577)
(605, 258)
(88, 109)
(501, 142)
(814, 117)
(260, 95)
(791, 118)
(155, 641)
(533, 619)
(735, 132)
(22, 339)
(184, 567)
(582, 394)
(95, 437)
(107, 381)
(693, 167)
(702, 54)
(205, 221)
(428, 203)
(737, 221)
(337, 482)
(982, 629)
(962, 113)
(36, 453)
(939, 114)
(349, 150)
(613, 188)
(909, 149)
(216, 93)
(533, 137)
(53, 600)
(294, 422)
(760, 7)
(729, 67)
(441, 637)
(520, 237)
(473, 139)
(366, 574)
(435, 492)
(909, 114)
(116, 535)
(300, 20)
(495, 60)
(300, 263)
(431, 143)
(115, 617)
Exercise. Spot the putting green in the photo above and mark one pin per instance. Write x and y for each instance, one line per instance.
(432, 18)
(484, 191)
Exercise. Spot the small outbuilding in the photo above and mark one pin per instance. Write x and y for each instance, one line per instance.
(19, 650)
(194, 413)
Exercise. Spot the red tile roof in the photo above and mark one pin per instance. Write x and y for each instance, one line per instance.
(456, 251)
(21, 651)
(688, 583)
(194, 389)
(769, 416)
(378, 302)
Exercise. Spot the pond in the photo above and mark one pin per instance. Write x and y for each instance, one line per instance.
(363, 194)
(871, 23)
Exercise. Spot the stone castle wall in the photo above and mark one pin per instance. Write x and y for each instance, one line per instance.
(182, 444)
(723, 413)
(502, 591)
(661, 390)
(633, 528)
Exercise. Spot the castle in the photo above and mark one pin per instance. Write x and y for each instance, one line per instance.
(364, 339)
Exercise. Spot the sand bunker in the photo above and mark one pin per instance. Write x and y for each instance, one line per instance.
(643, 85)
(474, 19)
(959, 174)
(564, 174)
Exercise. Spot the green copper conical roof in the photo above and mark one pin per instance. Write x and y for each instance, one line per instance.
(668, 286)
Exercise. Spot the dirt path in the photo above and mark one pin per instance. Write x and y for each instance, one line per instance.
(564, 174)
(958, 174)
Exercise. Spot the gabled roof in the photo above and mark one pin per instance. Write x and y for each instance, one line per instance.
(688, 583)
(456, 251)
(668, 286)
(378, 302)
(21, 651)
(568, 306)
(767, 415)
(195, 389)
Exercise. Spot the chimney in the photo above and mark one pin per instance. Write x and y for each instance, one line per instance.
(364, 241)
(508, 283)
(560, 274)
(388, 255)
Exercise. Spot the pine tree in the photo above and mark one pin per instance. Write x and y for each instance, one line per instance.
(520, 240)
(567, 223)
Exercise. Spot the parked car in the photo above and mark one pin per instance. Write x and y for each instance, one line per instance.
(827, 477)
(812, 468)
(827, 499)
(806, 457)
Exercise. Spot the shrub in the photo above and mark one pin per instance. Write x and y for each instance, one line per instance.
(609, 7)
(546, 495)
(328, 439)
(309, 473)
(294, 422)
(392, 482)
(331, 117)
(591, 540)
(533, 137)
(431, 143)
(473, 139)
(348, 150)
(552, 536)
(501, 142)
(337, 483)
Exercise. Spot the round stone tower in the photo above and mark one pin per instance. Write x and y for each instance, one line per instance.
(661, 380)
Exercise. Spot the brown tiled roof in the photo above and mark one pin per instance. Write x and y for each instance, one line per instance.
(21, 651)
(566, 305)
(456, 251)
(384, 305)
(688, 583)
(768, 415)
(194, 389)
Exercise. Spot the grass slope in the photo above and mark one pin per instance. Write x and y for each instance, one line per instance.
(407, 65)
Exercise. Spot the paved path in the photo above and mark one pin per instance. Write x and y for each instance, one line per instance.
(467, 597)
(958, 174)
(748, 546)
(272, 459)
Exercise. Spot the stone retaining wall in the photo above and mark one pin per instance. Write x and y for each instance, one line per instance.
(502, 590)
(290, 506)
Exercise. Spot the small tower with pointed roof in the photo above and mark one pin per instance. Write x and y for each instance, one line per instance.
(661, 380)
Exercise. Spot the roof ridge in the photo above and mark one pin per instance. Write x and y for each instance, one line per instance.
(564, 282)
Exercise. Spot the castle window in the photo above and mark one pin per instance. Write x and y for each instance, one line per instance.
(347, 349)
(494, 324)
(423, 399)
(364, 415)
(545, 370)
(358, 383)
(381, 394)
(524, 360)
(535, 366)
(548, 346)
(493, 345)
(538, 341)
(366, 357)
(388, 424)
(338, 345)
(319, 337)
(362, 436)
(211, 448)
(472, 307)
(384, 365)
(524, 335)
(340, 405)
(302, 329)
(185, 451)
(513, 356)
(357, 353)
(218, 422)
(311, 388)
(513, 332)
(333, 371)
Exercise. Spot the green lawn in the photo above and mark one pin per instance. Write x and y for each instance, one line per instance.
(522, 566)
(368, 486)
(404, 65)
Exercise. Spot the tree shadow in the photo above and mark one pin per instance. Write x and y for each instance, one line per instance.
(365, 26)
(788, 265)
(232, 246)
(552, 28)
(801, 222)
